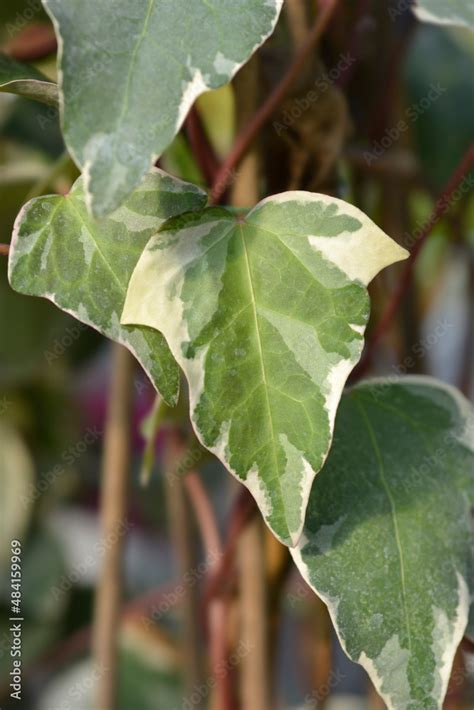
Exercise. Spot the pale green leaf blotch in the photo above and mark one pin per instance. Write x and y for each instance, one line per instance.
(266, 317)
(130, 71)
(388, 542)
(83, 265)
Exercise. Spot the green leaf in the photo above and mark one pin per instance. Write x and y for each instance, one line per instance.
(83, 266)
(437, 74)
(446, 12)
(25, 80)
(131, 71)
(388, 542)
(266, 317)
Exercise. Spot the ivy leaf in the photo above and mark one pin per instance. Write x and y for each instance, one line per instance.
(25, 80)
(83, 265)
(266, 317)
(127, 90)
(388, 543)
(446, 12)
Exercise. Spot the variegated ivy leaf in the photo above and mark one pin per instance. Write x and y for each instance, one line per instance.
(446, 12)
(84, 266)
(388, 542)
(131, 69)
(25, 80)
(266, 315)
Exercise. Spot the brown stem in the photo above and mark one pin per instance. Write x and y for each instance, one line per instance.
(4, 249)
(242, 513)
(113, 522)
(255, 690)
(205, 518)
(201, 146)
(262, 115)
(217, 611)
(441, 206)
(182, 545)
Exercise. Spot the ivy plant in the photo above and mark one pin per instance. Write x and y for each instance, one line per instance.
(387, 542)
(115, 143)
(264, 310)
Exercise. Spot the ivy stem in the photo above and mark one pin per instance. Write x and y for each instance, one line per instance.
(113, 509)
(263, 114)
(201, 146)
(182, 543)
(442, 205)
(217, 610)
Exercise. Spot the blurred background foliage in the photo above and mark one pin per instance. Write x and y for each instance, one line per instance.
(54, 371)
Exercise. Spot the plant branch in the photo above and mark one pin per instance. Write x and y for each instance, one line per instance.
(179, 522)
(205, 517)
(201, 146)
(263, 114)
(243, 511)
(113, 517)
(217, 610)
(442, 205)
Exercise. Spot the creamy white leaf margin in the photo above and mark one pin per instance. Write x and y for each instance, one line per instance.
(458, 13)
(452, 633)
(27, 81)
(21, 245)
(85, 152)
(358, 255)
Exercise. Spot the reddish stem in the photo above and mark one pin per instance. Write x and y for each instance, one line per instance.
(250, 131)
(205, 517)
(201, 146)
(243, 511)
(217, 609)
(4, 249)
(442, 205)
(35, 42)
